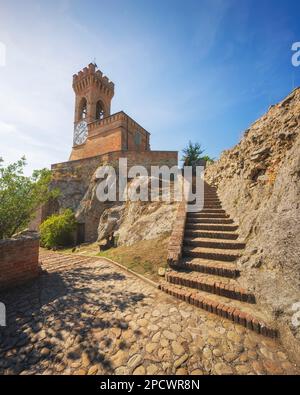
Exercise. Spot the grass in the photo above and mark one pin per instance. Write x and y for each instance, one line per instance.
(144, 257)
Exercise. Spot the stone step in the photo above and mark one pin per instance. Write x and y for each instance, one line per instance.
(209, 220)
(211, 234)
(214, 243)
(207, 215)
(210, 253)
(238, 312)
(224, 228)
(224, 269)
(226, 287)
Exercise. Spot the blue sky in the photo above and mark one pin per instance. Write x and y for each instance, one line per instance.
(200, 70)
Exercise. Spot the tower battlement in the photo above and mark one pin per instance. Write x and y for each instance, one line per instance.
(90, 75)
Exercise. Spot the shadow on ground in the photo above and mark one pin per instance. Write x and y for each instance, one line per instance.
(45, 317)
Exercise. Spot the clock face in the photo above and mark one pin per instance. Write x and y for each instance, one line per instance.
(80, 133)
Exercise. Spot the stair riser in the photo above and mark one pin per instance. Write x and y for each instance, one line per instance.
(215, 244)
(208, 215)
(208, 255)
(223, 228)
(217, 271)
(209, 221)
(211, 211)
(223, 311)
(227, 236)
(212, 288)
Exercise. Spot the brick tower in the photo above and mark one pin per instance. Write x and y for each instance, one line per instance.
(94, 93)
(96, 131)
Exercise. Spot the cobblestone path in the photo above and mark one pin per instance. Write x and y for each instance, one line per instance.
(86, 316)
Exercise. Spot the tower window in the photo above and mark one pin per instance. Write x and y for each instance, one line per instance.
(137, 138)
(83, 108)
(99, 110)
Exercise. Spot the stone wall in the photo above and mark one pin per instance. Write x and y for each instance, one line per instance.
(177, 236)
(76, 181)
(19, 259)
(74, 177)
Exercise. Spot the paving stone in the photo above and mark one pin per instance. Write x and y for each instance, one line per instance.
(197, 372)
(152, 369)
(140, 370)
(182, 371)
(177, 348)
(123, 327)
(150, 347)
(169, 335)
(223, 369)
(181, 360)
(135, 360)
(122, 370)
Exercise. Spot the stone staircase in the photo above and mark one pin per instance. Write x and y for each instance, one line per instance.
(206, 275)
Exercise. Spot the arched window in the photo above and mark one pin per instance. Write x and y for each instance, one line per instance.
(83, 108)
(99, 110)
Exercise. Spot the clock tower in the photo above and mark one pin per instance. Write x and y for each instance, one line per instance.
(96, 130)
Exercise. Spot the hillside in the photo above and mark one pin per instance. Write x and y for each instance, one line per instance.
(258, 183)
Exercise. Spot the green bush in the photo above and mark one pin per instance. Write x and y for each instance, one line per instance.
(58, 230)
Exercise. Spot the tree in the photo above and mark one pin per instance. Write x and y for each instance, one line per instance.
(20, 196)
(192, 154)
(208, 159)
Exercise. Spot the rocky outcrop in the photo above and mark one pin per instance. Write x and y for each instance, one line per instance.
(258, 183)
(129, 222)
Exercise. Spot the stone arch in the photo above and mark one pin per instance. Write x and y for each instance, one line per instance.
(100, 110)
(82, 108)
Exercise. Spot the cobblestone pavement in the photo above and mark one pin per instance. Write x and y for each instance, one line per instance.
(86, 316)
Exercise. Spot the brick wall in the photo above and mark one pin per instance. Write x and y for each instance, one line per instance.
(114, 133)
(19, 259)
(177, 236)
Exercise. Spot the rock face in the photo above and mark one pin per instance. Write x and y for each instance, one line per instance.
(130, 221)
(259, 184)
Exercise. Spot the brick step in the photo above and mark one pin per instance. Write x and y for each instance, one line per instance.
(214, 243)
(238, 312)
(224, 228)
(209, 267)
(226, 287)
(209, 220)
(209, 198)
(211, 211)
(211, 234)
(210, 253)
(207, 215)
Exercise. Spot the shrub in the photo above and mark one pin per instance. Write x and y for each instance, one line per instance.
(58, 230)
